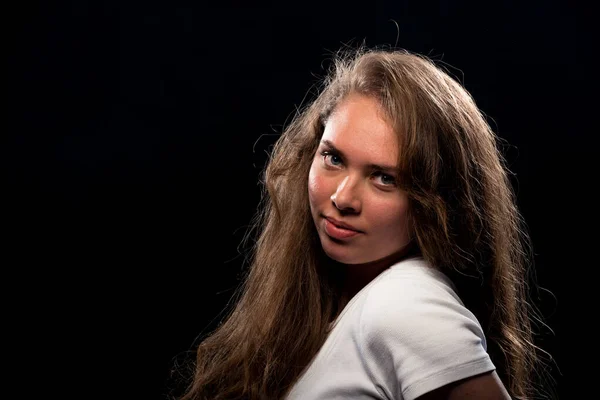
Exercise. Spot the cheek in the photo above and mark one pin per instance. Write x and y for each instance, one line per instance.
(391, 217)
(317, 187)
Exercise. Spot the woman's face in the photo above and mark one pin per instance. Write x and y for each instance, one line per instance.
(359, 212)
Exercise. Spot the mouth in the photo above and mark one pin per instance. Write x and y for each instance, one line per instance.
(338, 230)
(341, 224)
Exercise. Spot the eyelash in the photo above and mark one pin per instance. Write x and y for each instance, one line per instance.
(326, 153)
(332, 153)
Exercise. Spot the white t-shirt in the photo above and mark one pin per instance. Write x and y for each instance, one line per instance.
(404, 334)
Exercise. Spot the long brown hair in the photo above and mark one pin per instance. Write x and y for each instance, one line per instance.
(464, 214)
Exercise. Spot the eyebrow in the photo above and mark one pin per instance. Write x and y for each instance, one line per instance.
(386, 168)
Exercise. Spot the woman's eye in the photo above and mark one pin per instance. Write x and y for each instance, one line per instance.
(331, 159)
(385, 179)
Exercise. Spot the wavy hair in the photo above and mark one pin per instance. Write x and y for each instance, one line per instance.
(462, 207)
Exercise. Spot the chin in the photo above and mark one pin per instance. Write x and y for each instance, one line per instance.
(340, 254)
(345, 260)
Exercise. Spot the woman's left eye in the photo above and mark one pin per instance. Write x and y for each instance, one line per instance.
(385, 179)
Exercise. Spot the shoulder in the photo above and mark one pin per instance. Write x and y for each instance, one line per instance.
(416, 334)
(410, 294)
(412, 299)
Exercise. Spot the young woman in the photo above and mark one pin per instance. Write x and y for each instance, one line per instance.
(390, 260)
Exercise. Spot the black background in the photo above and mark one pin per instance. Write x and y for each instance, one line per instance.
(138, 130)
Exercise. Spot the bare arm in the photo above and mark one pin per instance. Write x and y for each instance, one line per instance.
(486, 386)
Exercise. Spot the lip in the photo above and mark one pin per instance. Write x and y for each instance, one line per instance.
(339, 232)
(341, 224)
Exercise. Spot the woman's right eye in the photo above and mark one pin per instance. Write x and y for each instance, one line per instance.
(331, 158)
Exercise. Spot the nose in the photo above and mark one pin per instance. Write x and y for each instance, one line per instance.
(347, 197)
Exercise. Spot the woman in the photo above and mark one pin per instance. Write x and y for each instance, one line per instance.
(390, 260)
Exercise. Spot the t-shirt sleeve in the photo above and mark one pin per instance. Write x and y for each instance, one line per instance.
(417, 336)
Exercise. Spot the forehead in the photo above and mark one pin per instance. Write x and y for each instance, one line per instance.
(358, 128)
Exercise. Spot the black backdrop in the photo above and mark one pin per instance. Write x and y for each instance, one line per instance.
(141, 128)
